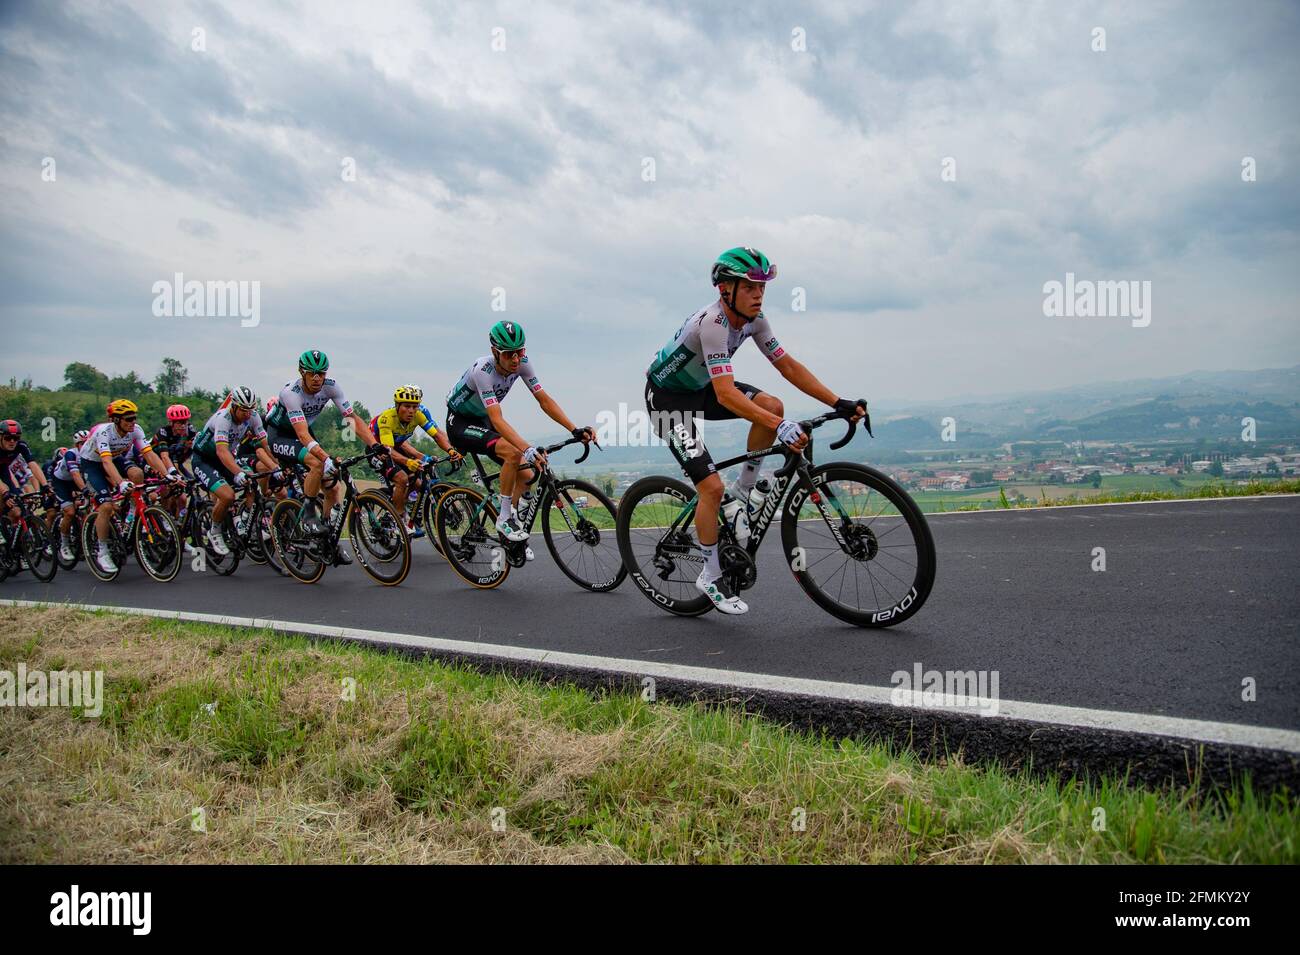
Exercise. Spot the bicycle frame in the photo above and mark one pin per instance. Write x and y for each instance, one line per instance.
(794, 472)
(528, 516)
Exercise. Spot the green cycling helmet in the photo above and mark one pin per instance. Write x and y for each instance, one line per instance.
(313, 361)
(743, 262)
(507, 336)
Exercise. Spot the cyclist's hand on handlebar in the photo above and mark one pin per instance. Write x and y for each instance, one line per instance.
(239, 478)
(586, 434)
(126, 487)
(791, 433)
(534, 455)
(454, 460)
(854, 409)
(329, 466)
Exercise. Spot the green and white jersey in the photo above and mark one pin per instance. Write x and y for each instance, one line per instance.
(702, 349)
(482, 386)
(222, 429)
(296, 404)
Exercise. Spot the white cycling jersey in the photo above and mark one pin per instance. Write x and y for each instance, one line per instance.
(295, 404)
(702, 349)
(106, 442)
(222, 428)
(482, 386)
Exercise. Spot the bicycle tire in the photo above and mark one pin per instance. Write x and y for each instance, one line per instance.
(587, 530)
(90, 549)
(283, 521)
(158, 547)
(898, 609)
(361, 531)
(461, 504)
(644, 578)
(34, 543)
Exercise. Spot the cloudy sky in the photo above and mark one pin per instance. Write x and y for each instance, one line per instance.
(508, 146)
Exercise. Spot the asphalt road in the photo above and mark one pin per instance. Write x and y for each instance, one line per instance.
(1196, 597)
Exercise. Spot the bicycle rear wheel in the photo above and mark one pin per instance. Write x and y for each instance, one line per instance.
(379, 538)
(583, 540)
(427, 519)
(465, 522)
(663, 560)
(858, 545)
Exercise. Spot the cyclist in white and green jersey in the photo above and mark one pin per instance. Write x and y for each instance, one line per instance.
(692, 376)
(288, 427)
(475, 422)
(214, 455)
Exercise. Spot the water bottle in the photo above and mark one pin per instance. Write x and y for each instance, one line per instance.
(731, 508)
(758, 494)
(241, 523)
(336, 516)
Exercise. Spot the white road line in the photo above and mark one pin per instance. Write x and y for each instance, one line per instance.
(1145, 723)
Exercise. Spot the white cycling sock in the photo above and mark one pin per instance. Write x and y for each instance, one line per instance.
(748, 476)
(505, 505)
(712, 566)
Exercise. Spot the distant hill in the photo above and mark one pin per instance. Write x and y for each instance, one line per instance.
(1202, 404)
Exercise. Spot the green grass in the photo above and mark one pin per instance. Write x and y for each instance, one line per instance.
(427, 757)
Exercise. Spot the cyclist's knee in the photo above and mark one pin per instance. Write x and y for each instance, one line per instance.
(225, 494)
(710, 489)
(770, 403)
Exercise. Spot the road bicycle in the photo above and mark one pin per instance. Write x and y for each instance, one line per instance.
(578, 532)
(856, 542)
(26, 544)
(135, 525)
(376, 531)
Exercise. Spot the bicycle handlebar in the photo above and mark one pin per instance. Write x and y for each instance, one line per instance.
(813, 424)
(564, 444)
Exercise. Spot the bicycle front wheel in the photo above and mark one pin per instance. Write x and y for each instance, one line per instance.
(38, 551)
(656, 539)
(158, 544)
(300, 553)
(858, 545)
(582, 539)
(379, 538)
(466, 524)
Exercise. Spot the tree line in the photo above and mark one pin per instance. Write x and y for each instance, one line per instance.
(49, 418)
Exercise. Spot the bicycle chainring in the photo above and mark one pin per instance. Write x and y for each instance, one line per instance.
(737, 566)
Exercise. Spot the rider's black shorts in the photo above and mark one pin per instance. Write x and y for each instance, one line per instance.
(286, 447)
(673, 414)
(212, 474)
(469, 434)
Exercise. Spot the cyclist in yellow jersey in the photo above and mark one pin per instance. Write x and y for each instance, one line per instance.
(394, 429)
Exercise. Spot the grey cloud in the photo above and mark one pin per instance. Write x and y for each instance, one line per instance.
(199, 228)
